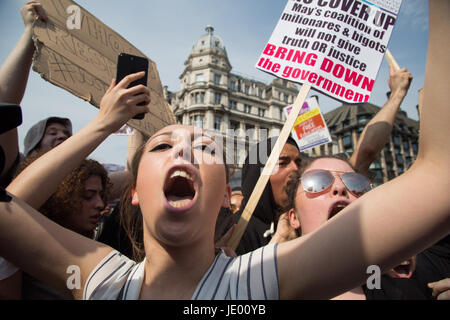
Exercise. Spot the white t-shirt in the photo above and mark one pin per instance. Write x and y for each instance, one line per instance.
(252, 276)
(6, 269)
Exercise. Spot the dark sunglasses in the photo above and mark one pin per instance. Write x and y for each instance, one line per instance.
(316, 181)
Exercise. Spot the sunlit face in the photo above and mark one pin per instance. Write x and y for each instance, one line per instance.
(235, 202)
(314, 210)
(180, 186)
(86, 220)
(55, 133)
(288, 163)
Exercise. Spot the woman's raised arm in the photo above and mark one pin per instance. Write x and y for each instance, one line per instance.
(393, 221)
(40, 180)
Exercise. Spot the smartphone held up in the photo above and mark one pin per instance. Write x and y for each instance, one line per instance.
(129, 64)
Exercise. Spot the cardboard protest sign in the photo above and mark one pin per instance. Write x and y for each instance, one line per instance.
(335, 46)
(77, 52)
(310, 129)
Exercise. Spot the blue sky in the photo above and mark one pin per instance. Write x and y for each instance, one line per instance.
(166, 30)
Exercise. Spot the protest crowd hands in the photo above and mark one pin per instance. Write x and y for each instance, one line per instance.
(31, 11)
(441, 289)
(399, 80)
(120, 103)
(285, 231)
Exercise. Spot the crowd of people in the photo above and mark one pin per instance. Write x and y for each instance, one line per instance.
(171, 211)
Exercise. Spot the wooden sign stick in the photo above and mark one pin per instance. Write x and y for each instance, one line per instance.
(390, 59)
(268, 168)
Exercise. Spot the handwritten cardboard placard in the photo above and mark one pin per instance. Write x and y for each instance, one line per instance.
(310, 129)
(77, 52)
(336, 47)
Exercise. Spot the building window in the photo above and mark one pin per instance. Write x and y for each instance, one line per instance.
(378, 174)
(199, 77)
(233, 105)
(396, 140)
(217, 123)
(348, 150)
(363, 119)
(346, 124)
(247, 89)
(260, 92)
(332, 129)
(347, 141)
(234, 125)
(286, 98)
(399, 159)
(250, 131)
(197, 121)
(217, 78)
(375, 165)
(233, 85)
(408, 161)
(247, 108)
(261, 112)
(405, 145)
(199, 97)
(217, 98)
(415, 148)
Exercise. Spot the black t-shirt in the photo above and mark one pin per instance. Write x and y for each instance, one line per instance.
(432, 265)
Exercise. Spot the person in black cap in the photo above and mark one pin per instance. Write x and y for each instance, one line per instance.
(274, 200)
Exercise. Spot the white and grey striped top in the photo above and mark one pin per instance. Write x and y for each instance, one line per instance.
(252, 276)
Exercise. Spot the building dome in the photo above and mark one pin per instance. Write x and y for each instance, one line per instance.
(208, 41)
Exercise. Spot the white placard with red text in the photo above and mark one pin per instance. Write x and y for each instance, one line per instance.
(336, 46)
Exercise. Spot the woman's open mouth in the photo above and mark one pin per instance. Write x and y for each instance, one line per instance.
(336, 208)
(180, 189)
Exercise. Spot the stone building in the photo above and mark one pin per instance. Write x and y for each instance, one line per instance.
(240, 109)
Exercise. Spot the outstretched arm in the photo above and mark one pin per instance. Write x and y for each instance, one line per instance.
(36, 244)
(14, 77)
(377, 132)
(394, 221)
(118, 105)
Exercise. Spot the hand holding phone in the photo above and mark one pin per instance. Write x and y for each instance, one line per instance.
(129, 64)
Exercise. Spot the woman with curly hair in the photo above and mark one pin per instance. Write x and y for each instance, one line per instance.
(79, 199)
(76, 205)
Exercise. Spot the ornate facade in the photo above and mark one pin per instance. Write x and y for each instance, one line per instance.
(241, 109)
